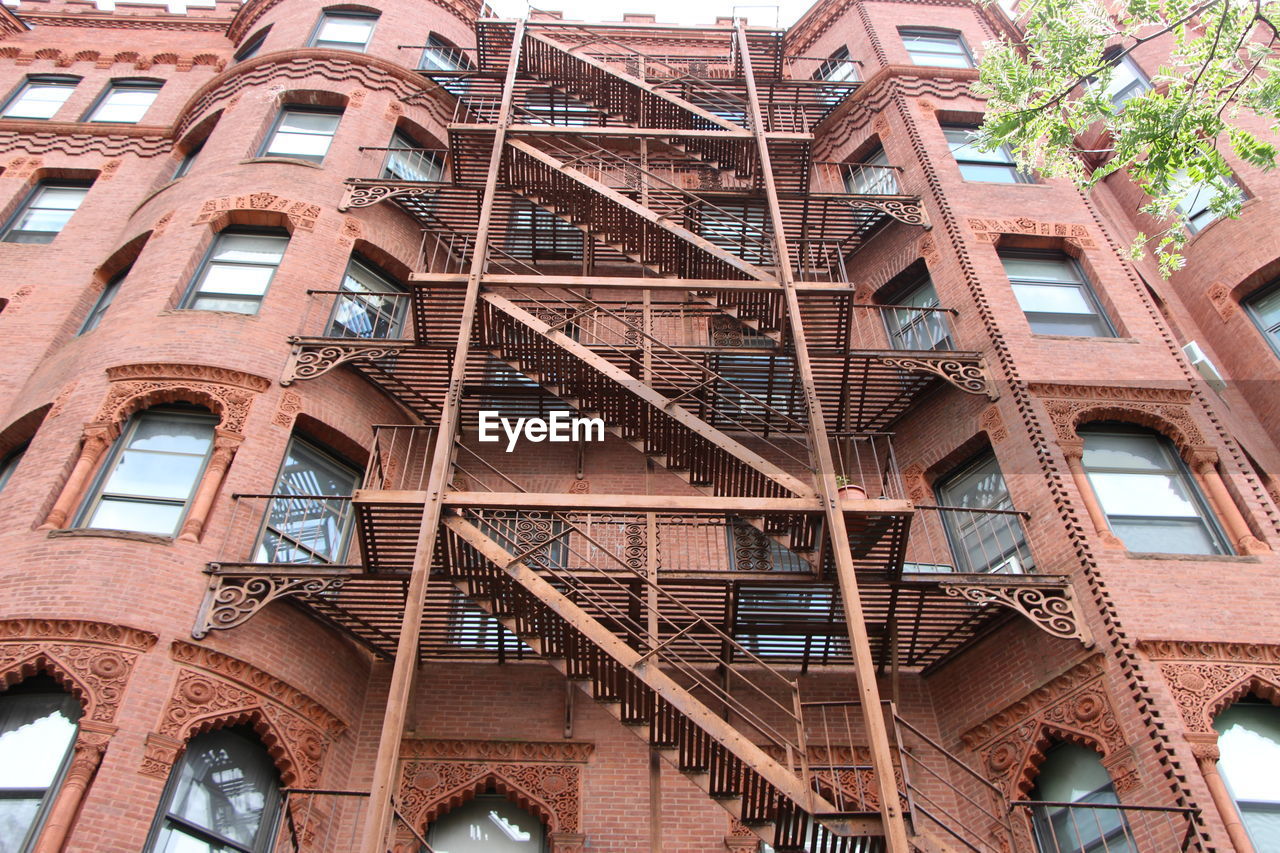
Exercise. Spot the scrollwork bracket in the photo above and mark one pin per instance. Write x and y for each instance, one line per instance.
(906, 210)
(232, 598)
(969, 376)
(367, 195)
(311, 359)
(1051, 607)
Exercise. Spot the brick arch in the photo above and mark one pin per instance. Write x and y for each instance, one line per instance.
(256, 720)
(227, 393)
(1045, 738)
(494, 780)
(1264, 686)
(1184, 435)
(261, 209)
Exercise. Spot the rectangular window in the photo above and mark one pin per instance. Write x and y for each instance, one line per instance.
(187, 160)
(301, 134)
(236, 272)
(309, 519)
(370, 305)
(737, 227)
(45, 212)
(873, 176)
(440, 55)
(343, 31)
(915, 329)
(125, 102)
(406, 161)
(1150, 501)
(939, 48)
(1127, 81)
(1054, 295)
(103, 302)
(152, 473)
(984, 534)
(837, 68)
(976, 165)
(1264, 308)
(1196, 205)
(40, 97)
(539, 234)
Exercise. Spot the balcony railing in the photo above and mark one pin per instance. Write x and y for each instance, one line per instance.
(1083, 827)
(281, 529)
(421, 165)
(949, 539)
(320, 821)
(855, 179)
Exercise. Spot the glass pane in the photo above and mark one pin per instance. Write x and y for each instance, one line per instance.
(138, 516)
(1075, 774)
(16, 817)
(1052, 298)
(236, 279)
(124, 105)
(1249, 743)
(1126, 81)
(1263, 825)
(1040, 269)
(174, 840)
(39, 100)
(345, 31)
(980, 486)
(172, 434)
(1165, 535)
(250, 248)
(46, 221)
(154, 475)
(237, 306)
(226, 784)
(1266, 308)
(300, 122)
(1073, 325)
(35, 731)
(962, 146)
(487, 825)
(989, 174)
(307, 471)
(1161, 495)
(1129, 452)
(302, 145)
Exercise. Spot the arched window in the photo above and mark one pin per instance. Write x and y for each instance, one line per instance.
(1150, 500)
(371, 304)
(985, 535)
(37, 730)
(224, 795)
(1249, 745)
(488, 824)
(1074, 774)
(309, 519)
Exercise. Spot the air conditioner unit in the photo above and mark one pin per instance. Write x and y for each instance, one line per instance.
(1201, 363)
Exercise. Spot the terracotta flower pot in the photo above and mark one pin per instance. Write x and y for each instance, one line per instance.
(851, 493)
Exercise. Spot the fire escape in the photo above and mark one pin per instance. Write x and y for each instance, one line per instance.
(645, 239)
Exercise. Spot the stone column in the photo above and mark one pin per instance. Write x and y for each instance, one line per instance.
(224, 449)
(91, 743)
(1074, 451)
(1204, 463)
(1205, 748)
(97, 438)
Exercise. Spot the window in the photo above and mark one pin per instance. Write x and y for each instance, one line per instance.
(302, 134)
(10, 464)
(1127, 81)
(442, 55)
(314, 526)
(1197, 204)
(873, 176)
(472, 629)
(1249, 745)
(40, 97)
(545, 105)
(937, 48)
(103, 302)
(915, 329)
(343, 31)
(985, 535)
(837, 68)
(995, 167)
(1074, 774)
(1054, 295)
(488, 824)
(188, 159)
(370, 305)
(125, 101)
(152, 472)
(38, 722)
(251, 47)
(1150, 501)
(1264, 308)
(407, 161)
(788, 622)
(737, 227)
(237, 271)
(539, 234)
(45, 212)
(223, 796)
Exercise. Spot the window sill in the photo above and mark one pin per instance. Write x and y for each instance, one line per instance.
(286, 161)
(1111, 339)
(173, 312)
(1193, 558)
(104, 533)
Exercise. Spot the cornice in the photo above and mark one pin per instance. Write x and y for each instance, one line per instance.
(822, 15)
(110, 21)
(10, 24)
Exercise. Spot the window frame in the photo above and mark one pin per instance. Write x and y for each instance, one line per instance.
(97, 491)
(1245, 807)
(267, 829)
(188, 159)
(897, 330)
(123, 85)
(350, 14)
(1042, 821)
(397, 316)
(479, 801)
(251, 47)
(26, 206)
(9, 464)
(401, 141)
(1178, 467)
(62, 81)
(1017, 175)
(343, 545)
(958, 539)
(1085, 286)
(1270, 334)
(938, 33)
(839, 58)
(50, 794)
(1193, 218)
(1139, 77)
(194, 292)
(103, 302)
(437, 43)
(285, 109)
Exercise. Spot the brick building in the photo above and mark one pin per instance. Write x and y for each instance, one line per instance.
(919, 512)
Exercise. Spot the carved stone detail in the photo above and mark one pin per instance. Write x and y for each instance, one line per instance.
(289, 407)
(989, 230)
(1205, 678)
(60, 401)
(93, 660)
(301, 214)
(1051, 609)
(1074, 706)
(137, 386)
(991, 422)
(914, 482)
(969, 376)
(1166, 410)
(1220, 296)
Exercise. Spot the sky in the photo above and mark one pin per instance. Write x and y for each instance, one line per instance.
(783, 13)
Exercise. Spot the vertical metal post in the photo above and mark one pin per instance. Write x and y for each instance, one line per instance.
(869, 693)
(378, 819)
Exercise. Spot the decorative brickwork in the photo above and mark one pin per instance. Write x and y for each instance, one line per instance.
(1205, 678)
(300, 214)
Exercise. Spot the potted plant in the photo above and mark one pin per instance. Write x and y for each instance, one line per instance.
(847, 490)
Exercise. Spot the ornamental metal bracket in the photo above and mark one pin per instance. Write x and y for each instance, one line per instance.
(311, 358)
(906, 210)
(969, 376)
(232, 597)
(364, 194)
(1050, 606)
